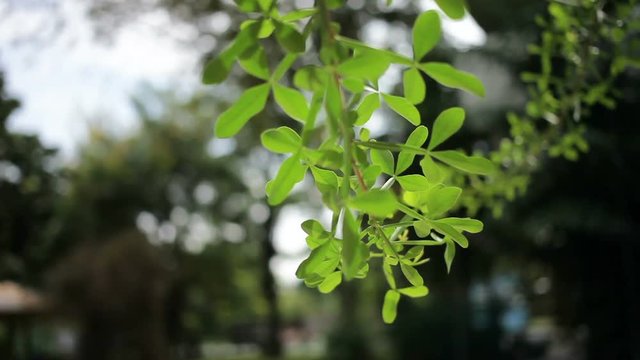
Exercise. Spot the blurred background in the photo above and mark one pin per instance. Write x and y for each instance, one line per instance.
(128, 232)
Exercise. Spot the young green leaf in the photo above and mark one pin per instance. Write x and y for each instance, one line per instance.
(384, 159)
(291, 172)
(298, 14)
(449, 253)
(330, 282)
(422, 228)
(254, 62)
(403, 107)
(446, 124)
(325, 177)
(370, 104)
(291, 101)
(390, 306)
(266, 28)
(412, 275)
(249, 104)
(218, 68)
(442, 200)
(289, 38)
(414, 291)
(354, 252)
(365, 66)
(426, 33)
(464, 224)
(282, 140)
(388, 273)
(453, 8)
(432, 171)
(378, 203)
(414, 86)
(312, 78)
(449, 231)
(413, 182)
(416, 139)
(451, 77)
(471, 164)
(390, 55)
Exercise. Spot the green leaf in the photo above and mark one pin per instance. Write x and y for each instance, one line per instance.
(416, 139)
(289, 38)
(414, 252)
(464, 224)
(414, 86)
(390, 306)
(247, 5)
(412, 275)
(311, 77)
(403, 108)
(266, 28)
(426, 33)
(384, 159)
(449, 231)
(451, 77)
(249, 104)
(432, 171)
(375, 202)
(218, 68)
(413, 182)
(325, 177)
(355, 85)
(414, 291)
(365, 66)
(291, 101)
(449, 253)
(443, 199)
(422, 228)
(291, 172)
(282, 140)
(354, 252)
(388, 273)
(254, 62)
(330, 282)
(390, 55)
(446, 124)
(460, 161)
(453, 8)
(298, 14)
(370, 104)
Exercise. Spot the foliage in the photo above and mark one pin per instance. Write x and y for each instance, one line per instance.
(584, 46)
(373, 200)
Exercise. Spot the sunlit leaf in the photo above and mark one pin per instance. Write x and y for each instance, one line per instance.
(390, 306)
(249, 104)
(370, 104)
(446, 124)
(449, 253)
(426, 33)
(291, 101)
(412, 275)
(254, 62)
(365, 66)
(281, 140)
(330, 282)
(416, 139)
(414, 291)
(464, 224)
(378, 203)
(453, 8)
(451, 77)
(460, 161)
(414, 86)
(403, 107)
(290, 173)
(384, 159)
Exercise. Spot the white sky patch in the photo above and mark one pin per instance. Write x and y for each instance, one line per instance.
(72, 81)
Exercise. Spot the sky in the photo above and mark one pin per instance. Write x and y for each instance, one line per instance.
(66, 80)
